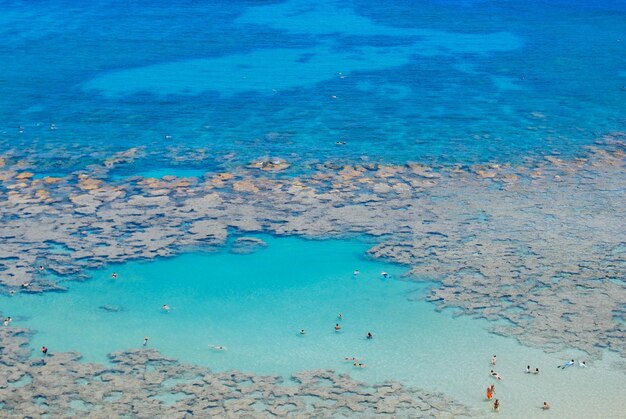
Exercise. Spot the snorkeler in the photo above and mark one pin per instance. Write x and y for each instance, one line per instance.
(337, 327)
(217, 347)
(495, 375)
(567, 364)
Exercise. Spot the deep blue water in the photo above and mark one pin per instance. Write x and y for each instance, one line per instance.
(443, 81)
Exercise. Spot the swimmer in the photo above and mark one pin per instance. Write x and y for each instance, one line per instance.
(337, 327)
(567, 364)
(302, 332)
(495, 375)
(527, 369)
(26, 285)
(340, 316)
(333, 96)
(41, 268)
(536, 371)
(114, 275)
(53, 127)
(166, 308)
(356, 272)
(496, 405)
(384, 274)
(217, 347)
(369, 335)
(493, 360)
(11, 292)
(145, 341)
(581, 364)
(44, 350)
(359, 365)
(350, 359)
(546, 406)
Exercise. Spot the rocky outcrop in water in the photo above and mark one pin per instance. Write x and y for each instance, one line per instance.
(540, 246)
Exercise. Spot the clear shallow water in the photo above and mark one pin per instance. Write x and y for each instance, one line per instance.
(256, 304)
(445, 81)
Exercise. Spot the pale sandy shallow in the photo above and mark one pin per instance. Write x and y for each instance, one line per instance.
(254, 305)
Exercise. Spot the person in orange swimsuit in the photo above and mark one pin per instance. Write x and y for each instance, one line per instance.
(489, 393)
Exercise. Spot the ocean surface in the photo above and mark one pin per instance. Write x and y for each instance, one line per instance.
(456, 81)
(210, 86)
(255, 305)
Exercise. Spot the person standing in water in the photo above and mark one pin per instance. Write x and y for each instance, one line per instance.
(493, 360)
(302, 332)
(44, 350)
(489, 393)
(546, 406)
(337, 327)
(496, 405)
(145, 341)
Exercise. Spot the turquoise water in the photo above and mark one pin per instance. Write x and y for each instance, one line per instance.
(201, 87)
(443, 81)
(256, 304)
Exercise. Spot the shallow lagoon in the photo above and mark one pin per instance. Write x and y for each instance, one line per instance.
(255, 304)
